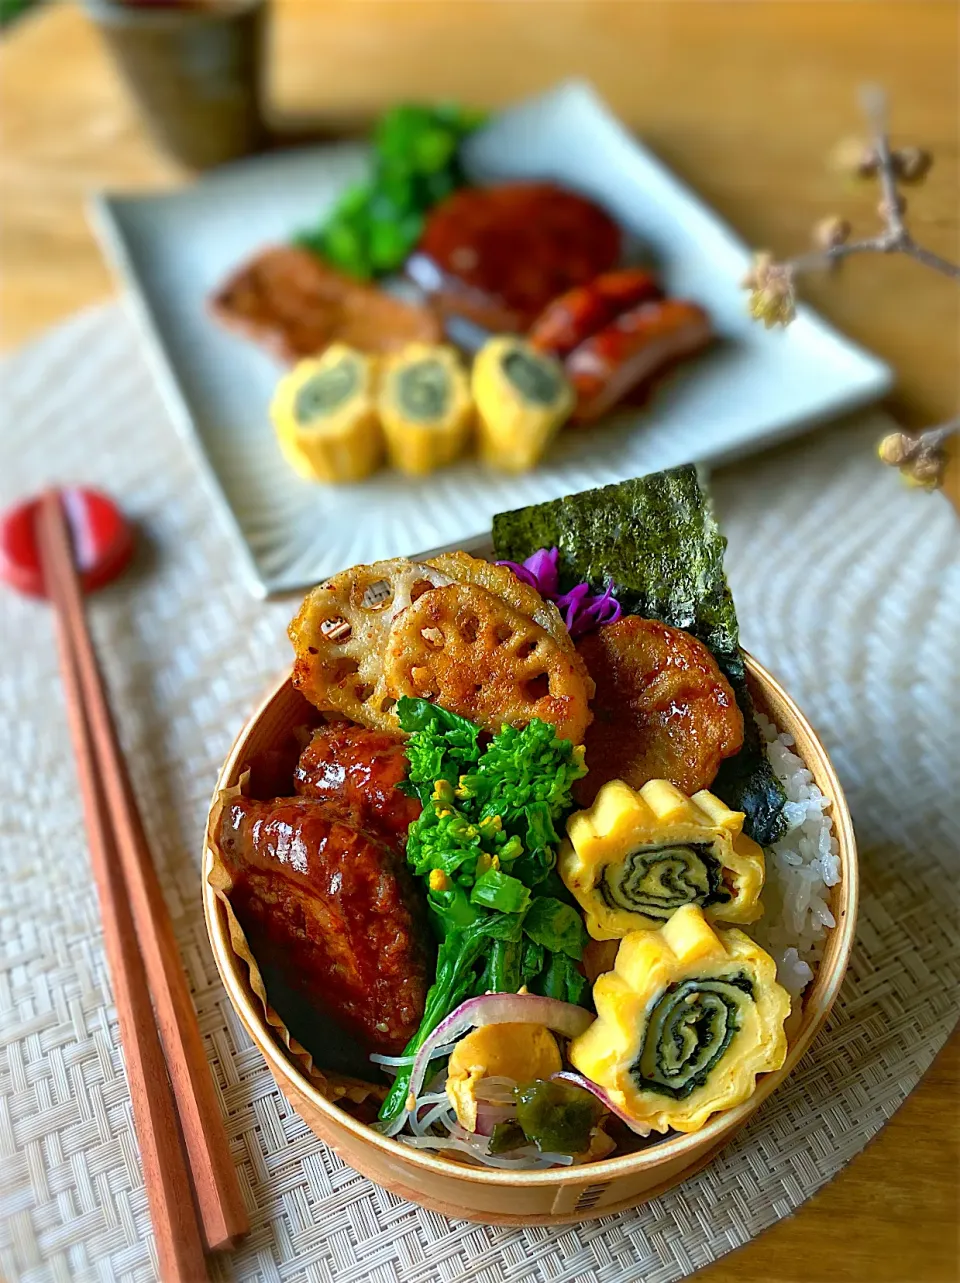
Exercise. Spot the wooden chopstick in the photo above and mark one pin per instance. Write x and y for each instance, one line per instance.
(176, 1229)
(216, 1188)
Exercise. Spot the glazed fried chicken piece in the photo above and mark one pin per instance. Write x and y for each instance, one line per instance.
(355, 771)
(498, 255)
(330, 910)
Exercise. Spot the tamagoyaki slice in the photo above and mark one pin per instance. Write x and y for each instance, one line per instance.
(425, 407)
(633, 858)
(686, 1020)
(325, 416)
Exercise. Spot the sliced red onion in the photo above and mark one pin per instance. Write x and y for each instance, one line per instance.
(491, 1009)
(578, 1080)
(489, 1115)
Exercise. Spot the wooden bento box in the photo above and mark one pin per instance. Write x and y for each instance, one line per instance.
(545, 1196)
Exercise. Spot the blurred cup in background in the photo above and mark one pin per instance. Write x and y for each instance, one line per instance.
(196, 70)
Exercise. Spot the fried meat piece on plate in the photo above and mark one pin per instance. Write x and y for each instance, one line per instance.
(498, 255)
(331, 911)
(662, 710)
(294, 305)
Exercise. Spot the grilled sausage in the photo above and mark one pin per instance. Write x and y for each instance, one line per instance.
(573, 317)
(635, 346)
(332, 912)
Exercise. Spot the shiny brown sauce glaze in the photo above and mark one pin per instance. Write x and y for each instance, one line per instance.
(355, 771)
(332, 911)
(662, 709)
(498, 255)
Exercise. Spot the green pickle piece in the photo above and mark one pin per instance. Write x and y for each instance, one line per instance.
(557, 1116)
(504, 1137)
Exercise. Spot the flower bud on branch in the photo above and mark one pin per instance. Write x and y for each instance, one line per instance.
(772, 298)
(921, 457)
(831, 232)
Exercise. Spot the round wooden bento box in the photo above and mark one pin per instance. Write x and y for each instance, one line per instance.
(553, 1196)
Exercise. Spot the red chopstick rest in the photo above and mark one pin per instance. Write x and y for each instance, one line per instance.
(101, 535)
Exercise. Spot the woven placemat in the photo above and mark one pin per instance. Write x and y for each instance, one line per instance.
(848, 587)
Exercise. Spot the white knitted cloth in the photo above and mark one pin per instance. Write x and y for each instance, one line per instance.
(848, 588)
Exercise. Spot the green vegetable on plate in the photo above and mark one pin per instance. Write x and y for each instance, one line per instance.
(375, 225)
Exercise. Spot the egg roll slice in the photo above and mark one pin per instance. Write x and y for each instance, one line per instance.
(425, 407)
(325, 418)
(686, 1021)
(633, 858)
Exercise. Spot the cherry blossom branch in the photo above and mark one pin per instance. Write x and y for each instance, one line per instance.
(921, 457)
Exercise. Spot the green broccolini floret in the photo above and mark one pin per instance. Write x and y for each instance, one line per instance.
(485, 843)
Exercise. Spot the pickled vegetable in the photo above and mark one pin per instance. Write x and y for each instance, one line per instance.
(556, 1116)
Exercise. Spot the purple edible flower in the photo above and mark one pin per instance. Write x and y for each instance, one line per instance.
(582, 610)
(541, 571)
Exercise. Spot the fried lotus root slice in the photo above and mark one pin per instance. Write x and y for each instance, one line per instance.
(662, 710)
(473, 654)
(340, 634)
(503, 583)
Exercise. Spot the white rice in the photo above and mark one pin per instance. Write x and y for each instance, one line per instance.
(801, 868)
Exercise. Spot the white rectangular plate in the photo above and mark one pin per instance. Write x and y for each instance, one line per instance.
(756, 387)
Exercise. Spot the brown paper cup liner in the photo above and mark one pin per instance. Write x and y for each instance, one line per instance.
(332, 1085)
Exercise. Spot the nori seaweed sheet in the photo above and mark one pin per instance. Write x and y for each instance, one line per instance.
(657, 539)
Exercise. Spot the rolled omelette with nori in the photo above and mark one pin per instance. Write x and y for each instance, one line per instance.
(523, 399)
(686, 1020)
(325, 418)
(634, 858)
(425, 407)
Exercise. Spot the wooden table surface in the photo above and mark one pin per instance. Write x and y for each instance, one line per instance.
(744, 101)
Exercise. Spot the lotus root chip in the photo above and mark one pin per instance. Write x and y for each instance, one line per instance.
(662, 709)
(341, 632)
(473, 653)
(502, 582)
